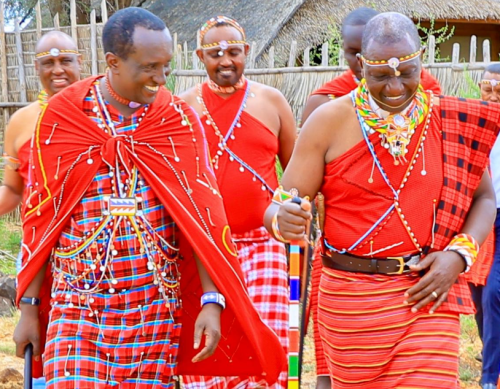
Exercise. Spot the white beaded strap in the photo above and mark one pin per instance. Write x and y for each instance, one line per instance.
(213, 298)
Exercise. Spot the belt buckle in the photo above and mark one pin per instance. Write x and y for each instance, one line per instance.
(401, 261)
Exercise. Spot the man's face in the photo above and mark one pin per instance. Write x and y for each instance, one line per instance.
(226, 69)
(490, 91)
(392, 93)
(57, 72)
(146, 68)
(351, 41)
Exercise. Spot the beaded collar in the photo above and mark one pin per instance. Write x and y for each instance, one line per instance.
(227, 89)
(117, 97)
(43, 98)
(396, 129)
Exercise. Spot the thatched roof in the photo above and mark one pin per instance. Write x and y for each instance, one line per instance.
(309, 25)
(261, 19)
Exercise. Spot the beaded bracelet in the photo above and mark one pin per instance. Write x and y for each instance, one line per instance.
(466, 246)
(276, 229)
(213, 298)
(280, 195)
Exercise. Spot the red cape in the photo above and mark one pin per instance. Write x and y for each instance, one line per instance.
(345, 83)
(247, 347)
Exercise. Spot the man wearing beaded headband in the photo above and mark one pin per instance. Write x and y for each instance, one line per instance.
(123, 197)
(407, 202)
(55, 73)
(353, 27)
(247, 126)
(484, 278)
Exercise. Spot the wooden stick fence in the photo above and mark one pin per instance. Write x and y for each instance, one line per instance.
(19, 82)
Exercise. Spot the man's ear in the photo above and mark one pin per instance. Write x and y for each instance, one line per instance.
(201, 55)
(247, 49)
(361, 64)
(113, 62)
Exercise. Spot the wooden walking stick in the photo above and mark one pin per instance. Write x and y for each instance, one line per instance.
(28, 375)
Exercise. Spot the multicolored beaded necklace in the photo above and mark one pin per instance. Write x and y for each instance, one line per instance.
(397, 129)
(43, 98)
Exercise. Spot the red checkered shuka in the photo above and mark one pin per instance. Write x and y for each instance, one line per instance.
(469, 130)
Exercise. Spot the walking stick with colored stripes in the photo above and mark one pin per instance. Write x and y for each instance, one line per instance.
(28, 375)
(294, 320)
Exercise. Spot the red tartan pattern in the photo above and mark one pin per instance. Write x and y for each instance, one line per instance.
(264, 264)
(321, 365)
(469, 129)
(125, 332)
(479, 272)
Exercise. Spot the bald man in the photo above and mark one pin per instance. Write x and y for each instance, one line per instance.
(408, 201)
(58, 65)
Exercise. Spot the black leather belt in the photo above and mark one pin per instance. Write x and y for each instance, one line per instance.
(389, 265)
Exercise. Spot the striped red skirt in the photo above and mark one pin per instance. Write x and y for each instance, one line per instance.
(372, 340)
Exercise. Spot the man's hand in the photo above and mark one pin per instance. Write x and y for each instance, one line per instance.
(445, 267)
(208, 324)
(28, 331)
(293, 219)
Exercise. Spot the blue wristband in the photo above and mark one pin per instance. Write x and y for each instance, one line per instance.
(213, 298)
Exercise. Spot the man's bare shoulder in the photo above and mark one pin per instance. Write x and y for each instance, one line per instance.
(266, 91)
(24, 117)
(189, 95)
(334, 111)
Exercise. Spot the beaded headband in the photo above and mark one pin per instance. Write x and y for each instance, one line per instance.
(223, 45)
(55, 52)
(393, 62)
(493, 83)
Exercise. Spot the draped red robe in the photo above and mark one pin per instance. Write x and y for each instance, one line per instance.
(247, 347)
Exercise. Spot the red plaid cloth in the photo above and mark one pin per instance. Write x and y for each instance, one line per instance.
(481, 268)
(321, 366)
(469, 129)
(264, 264)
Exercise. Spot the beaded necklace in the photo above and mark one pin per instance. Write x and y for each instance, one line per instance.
(43, 98)
(395, 206)
(227, 89)
(117, 97)
(397, 129)
(223, 140)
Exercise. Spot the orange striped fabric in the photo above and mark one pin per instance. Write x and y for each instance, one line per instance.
(372, 340)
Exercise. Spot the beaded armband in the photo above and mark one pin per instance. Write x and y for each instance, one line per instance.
(466, 246)
(11, 162)
(213, 298)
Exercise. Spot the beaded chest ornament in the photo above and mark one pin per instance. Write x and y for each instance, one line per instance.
(397, 129)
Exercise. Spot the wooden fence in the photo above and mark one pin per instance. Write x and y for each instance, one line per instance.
(19, 82)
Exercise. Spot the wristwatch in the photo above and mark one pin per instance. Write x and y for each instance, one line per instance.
(30, 300)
